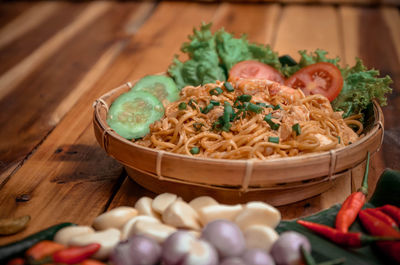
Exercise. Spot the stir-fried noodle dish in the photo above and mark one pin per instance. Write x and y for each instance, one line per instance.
(249, 119)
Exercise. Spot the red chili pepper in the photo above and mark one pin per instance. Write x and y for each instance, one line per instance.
(43, 249)
(376, 227)
(74, 255)
(392, 211)
(16, 261)
(345, 239)
(353, 204)
(382, 216)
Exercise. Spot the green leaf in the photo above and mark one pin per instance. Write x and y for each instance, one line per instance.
(387, 192)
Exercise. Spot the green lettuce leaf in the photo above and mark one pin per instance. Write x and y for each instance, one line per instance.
(360, 87)
(213, 55)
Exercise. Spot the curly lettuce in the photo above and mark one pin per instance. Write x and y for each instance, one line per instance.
(211, 56)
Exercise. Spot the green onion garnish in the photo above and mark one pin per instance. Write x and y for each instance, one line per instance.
(339, 140)
(194, 150)
(216, 91)
(244, 98)
(192, 103)
(228, 87)
(254, 108)
(274, 126)
(296, 128)
(215, 103)
(277, 107)
(262, 104)
(272, 139)
(182, 106)
(228, 112)
(207, 109)
(197, 126)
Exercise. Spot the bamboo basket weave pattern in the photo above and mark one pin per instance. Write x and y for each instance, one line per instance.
(278, 181)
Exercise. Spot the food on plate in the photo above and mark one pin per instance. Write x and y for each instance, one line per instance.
(160, 86)
(320, 78)
(131, 113)
(249, 118)
(255, 70)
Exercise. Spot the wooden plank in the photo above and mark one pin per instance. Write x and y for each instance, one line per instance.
(18, 39)
(69, 174)
(373, 35)
(308, 28)
(57, 83)
(11, 10)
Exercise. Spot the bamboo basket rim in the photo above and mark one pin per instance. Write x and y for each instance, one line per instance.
(100, 105)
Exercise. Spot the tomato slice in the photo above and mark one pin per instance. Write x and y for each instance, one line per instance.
(319, 78)
(255, 69)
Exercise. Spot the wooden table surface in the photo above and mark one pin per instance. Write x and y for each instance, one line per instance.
(58, 57)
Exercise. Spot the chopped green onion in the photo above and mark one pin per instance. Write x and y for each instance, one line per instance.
(244, 98)
(274, 126)
(228, 113)
(272, 139)
(192, 103)
(228, 87)
(277, 107)
(254, 108)
(215, 103)
(194, 150)
(197, 126)
(207, 109)
(182, 106)
(216, 91)
(339, 140)
(262, 104)
(296, 128)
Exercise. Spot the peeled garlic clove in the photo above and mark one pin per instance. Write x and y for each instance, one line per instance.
(162, 201)
(128, 229)
(258, 213)
(180, 214)
(220, 211)
(108, 239)
(157, 231)
(144, 207)
(64, 235)
(115, 218)
(202, 201)
(260, 236)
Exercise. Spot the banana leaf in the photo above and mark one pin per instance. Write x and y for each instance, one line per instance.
(387, 192)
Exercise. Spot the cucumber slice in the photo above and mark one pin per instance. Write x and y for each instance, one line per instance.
(160, 86)
(131, 114)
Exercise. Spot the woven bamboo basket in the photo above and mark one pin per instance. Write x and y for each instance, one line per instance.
(277, 181)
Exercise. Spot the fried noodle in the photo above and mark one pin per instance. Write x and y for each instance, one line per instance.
(249, 135)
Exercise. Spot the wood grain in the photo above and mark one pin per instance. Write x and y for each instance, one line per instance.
(27, 123)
